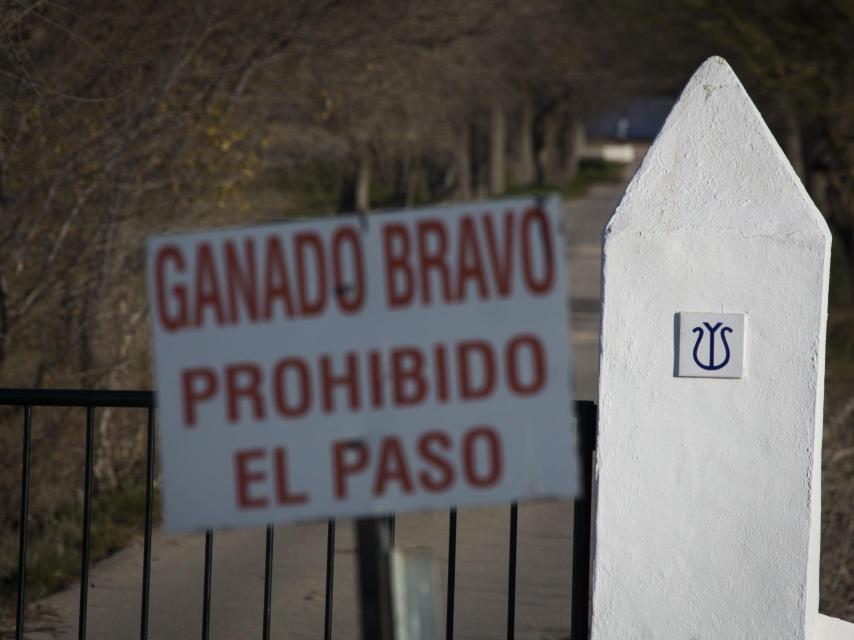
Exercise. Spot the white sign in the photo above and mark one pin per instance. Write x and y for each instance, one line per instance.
(711, 345)
(353, 366)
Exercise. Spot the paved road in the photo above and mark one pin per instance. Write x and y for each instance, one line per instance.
(544, 556)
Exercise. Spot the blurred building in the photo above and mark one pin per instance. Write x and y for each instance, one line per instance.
(640, 120)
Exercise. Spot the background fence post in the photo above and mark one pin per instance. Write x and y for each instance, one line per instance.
(708, 489)
(580, 624)
(375, 596)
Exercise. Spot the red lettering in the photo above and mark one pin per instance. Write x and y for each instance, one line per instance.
(492, 472)
(440, 366)
(392, 467)
(377, 384)
(300, 369)
(245, 477)
(408, 375)
(396, 248)
(349, 380)
(197, 385)
(348, 458)
(469, 389)
(305, 244)
(283, 495)
(469, 263)
(177, 293)
(501, 256)
(240, 280)
(242, 381)
(543, 283)
(428, 444)
(351, 296)
(207, 286)
(433, 258)
(514, 369)
(276, 281)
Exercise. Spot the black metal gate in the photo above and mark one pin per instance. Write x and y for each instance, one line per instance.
(92, 400)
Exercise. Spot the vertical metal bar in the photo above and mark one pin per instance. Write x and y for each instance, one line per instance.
(391, 525)
(87, 523)
(206, 601)
(511, 580)
(330, 579)
(452, 575)
(146, 549)
(25, 509)
(268, 583)
(581, 523)
(375, 579)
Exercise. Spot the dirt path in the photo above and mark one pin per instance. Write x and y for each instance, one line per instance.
(544, 556)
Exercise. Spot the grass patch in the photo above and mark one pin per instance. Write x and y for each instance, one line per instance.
(312, 189)
(591, 171)
(319, 188)
(55, 541)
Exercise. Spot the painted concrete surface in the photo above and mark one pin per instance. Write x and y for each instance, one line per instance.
(545, 540)
(828, 628)
(708, 490)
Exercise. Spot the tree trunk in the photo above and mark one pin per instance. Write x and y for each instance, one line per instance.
(818, 186)
(86, 353)
(413, 181)
(497, 151)
(363, 184)
(574, 138)
(792, 143)
(114, 448)
(4, 321)
(463, 162)
(525, 165)
(548, 155)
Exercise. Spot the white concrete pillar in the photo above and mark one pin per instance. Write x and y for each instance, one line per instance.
(708, 488)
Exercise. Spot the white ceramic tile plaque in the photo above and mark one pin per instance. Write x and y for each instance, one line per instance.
(711, 345)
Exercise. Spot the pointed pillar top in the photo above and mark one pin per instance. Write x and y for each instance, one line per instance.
(716, 164)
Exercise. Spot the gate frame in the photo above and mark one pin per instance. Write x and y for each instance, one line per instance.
(93, 399)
